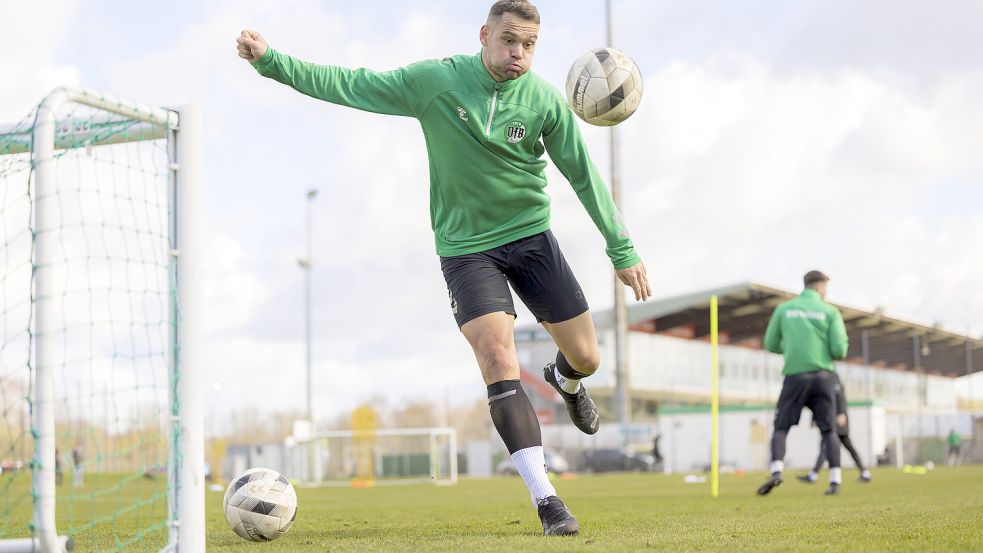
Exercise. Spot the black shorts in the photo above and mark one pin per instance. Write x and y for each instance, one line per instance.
(815, 390)
(478, 283)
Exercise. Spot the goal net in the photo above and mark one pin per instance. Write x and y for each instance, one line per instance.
(101, 407)
(365, 458)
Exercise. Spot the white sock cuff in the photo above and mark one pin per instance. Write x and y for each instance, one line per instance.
(777, 466)
(835, 475)
(531, 464)
(568, 385)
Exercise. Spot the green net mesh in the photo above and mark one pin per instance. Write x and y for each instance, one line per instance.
(111, 339)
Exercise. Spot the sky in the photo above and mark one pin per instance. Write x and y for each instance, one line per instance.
(773, 138)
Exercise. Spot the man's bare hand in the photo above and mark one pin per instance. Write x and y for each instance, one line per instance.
(637, 279)
(251, 45)
(841, 420)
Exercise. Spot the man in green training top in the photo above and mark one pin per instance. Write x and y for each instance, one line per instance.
(955, 442)
(488, 120)
(810, 334)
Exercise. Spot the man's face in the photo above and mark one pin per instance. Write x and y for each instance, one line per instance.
(509, 44)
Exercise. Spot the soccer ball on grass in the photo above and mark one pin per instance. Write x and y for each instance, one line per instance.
(260, 504)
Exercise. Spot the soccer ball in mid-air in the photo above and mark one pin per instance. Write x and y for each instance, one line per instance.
(260, 505)
(604, 87)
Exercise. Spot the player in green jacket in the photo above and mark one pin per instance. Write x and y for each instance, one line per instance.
(488, 120)
(810, 334)
(953, 457)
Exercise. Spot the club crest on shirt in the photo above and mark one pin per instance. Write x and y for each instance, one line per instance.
(515, 131)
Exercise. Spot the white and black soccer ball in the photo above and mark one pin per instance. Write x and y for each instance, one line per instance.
(260, 504)
(604, 87)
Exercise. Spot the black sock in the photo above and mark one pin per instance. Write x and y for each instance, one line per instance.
(832, 449)
(822, 456)
(845, 440)
(513, 415)
(778, 445)
(563, 367)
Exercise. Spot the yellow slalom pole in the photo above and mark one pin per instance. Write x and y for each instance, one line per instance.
(714, 403)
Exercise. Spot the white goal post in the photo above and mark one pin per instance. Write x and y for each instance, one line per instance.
(377, 457)
(46, 140)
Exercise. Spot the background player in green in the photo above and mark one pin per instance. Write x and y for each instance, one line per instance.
(843, 433)
(488, 120)
(810, 334)
(954, 456)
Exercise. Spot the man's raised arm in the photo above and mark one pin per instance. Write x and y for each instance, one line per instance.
(379, 92)
(567, 150)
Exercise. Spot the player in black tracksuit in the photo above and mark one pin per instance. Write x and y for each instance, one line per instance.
(843, 430)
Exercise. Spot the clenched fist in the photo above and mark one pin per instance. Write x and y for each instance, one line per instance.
(251, 45)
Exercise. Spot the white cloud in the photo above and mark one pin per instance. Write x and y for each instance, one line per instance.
(758, 174)
(231, 287)
(734, 170)
(35, 35)
(371, 314)
(756, 154)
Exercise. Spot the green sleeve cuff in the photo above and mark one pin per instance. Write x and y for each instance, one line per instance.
(265, 61)
(630, 261)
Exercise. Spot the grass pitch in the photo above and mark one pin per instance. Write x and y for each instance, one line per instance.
(939, 511)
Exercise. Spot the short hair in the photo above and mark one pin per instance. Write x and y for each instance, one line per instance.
(521, 8)
(812, 278)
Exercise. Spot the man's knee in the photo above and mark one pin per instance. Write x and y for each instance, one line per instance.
(498, 360)
(825, 425)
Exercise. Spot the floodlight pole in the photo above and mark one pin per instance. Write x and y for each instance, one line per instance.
(622, 400)
(306, 264)
(865, 348)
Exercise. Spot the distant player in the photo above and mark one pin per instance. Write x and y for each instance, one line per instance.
(843, 432)
(78, 467)
(59, 475)
(657, 453)
(487, 120)
(810, 334)
(954, 457)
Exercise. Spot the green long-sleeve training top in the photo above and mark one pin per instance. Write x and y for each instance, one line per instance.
(485, 142)
(809, 332)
